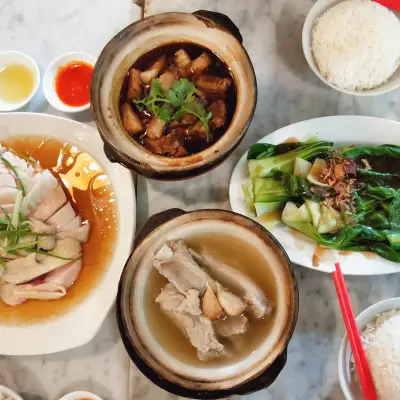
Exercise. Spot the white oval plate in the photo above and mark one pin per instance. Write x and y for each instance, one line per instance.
(342, 130)
(81, 324)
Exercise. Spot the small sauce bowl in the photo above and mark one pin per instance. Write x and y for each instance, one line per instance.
(16, 58)
(50, 76)
(80, 395)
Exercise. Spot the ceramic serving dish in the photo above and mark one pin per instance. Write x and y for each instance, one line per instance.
(50, 76)
(343, 131)
(211, 30)
(350, 387)
(81, 323)
(16, 57)
(251, 373)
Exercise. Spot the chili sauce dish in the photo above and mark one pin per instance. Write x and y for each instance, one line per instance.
(66, 82)
(19, 80)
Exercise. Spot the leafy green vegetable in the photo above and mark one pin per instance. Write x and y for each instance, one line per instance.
(388, 150)
(279, 187)
(172, 104)
(372, 221)
(368, 174)
(259, 151)
(285, 162)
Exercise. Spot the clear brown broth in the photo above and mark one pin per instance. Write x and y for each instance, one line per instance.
(90, 192)
(237, 254)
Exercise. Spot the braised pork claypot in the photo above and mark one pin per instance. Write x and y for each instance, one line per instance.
(212, 31)
(255, 371)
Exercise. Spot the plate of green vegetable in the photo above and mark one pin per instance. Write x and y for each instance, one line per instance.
(329, 190)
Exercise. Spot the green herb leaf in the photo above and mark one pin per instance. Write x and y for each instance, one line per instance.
(164, 112)
(196, 108)
(156, 89)
(181, 92)
(173, 104)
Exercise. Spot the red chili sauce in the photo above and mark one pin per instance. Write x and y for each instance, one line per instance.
(72, 83)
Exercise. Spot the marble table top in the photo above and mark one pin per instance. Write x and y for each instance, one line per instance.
(288, 93)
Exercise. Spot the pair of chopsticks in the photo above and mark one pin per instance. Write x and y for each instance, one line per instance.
(364, 373)
(392, 4)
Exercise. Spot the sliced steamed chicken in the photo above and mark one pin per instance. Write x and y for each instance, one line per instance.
(43, 258)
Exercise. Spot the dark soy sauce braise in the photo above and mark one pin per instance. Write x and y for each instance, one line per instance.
(177, 100)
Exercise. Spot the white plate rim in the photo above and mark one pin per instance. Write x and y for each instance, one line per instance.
(361, 129)
(79, 325)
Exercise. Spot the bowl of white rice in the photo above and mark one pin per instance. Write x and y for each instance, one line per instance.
(379, 327)
(8, 394)
(353, 46)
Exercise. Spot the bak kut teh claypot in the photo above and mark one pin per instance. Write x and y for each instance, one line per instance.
(213, 31)
(254, 371)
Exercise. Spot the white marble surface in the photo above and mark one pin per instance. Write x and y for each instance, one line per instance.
(288, 92)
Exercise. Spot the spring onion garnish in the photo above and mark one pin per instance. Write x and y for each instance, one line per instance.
(14, 170)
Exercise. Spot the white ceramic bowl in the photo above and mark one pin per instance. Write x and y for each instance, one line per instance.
(49, 80)
(319, 7)
(16, 57)
(81, 323)
(10, 393)
(80, 395)
(350, 388)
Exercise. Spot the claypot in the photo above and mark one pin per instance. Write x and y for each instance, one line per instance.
(211, 30)
(253, 372)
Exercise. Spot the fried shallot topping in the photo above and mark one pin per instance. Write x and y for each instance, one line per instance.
(340, 174)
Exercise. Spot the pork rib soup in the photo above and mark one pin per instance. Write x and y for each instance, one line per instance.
(209, 303)
(57, 228)
(177, 100)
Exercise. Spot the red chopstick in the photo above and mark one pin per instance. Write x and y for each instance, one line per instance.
(392, 4)
(364, 373)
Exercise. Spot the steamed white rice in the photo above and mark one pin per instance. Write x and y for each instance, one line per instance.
(381, 342)
(356, 44)
(4, 397)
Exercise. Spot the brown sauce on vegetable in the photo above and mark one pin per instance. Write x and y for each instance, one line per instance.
(192, 143)
(291, 140)
(90, 193)
(270, 216)
(319, 252)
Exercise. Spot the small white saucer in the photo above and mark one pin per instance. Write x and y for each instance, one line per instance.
(80, 395)
(8, 392)
(16, 57)
(50, 74)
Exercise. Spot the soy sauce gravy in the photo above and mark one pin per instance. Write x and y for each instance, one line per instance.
(192, 143)
(91, 195)
(244, 258)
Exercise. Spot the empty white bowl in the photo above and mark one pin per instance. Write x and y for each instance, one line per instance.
(10, 393)
(16, 57)
(319, 8)
(80, 395)
(350, 388)
(49, 80)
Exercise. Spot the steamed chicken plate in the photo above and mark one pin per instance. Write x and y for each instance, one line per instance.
(213, 304)
(177, 100)
(43, 227)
